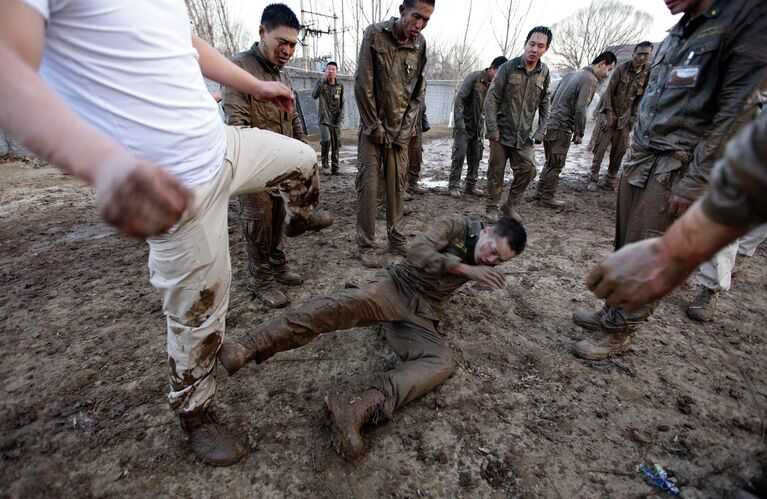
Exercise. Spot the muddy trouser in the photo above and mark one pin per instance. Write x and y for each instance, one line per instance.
(555, 146)
(617, 140)
(522, 165)
(426, 360)
(642, 214)
(414, 159)
(716, 274)
(190, 265)
(469, 148)
(262, 217)
(330, 142)
(371, 158)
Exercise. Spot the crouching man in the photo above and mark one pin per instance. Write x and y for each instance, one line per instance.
(407, 299)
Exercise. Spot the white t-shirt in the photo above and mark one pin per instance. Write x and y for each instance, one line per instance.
(128, 68)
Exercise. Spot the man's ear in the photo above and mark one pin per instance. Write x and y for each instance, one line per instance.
(402, 10)
(261, 31)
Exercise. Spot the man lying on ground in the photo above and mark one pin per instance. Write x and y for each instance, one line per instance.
(407, 299)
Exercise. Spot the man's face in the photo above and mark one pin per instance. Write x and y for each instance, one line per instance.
(331, 72)
(535, 47)
(414, 20)
(642, 56)
(278, 44)
(603, 69)
(492, 250)
(679, 6)
(491, 73)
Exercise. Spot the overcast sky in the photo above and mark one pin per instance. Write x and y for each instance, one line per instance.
(449, 19)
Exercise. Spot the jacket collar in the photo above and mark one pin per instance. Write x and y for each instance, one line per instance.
(519, 63)
(388, 27)
(255, 51)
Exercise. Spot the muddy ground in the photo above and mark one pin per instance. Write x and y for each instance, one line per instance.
(84, 374)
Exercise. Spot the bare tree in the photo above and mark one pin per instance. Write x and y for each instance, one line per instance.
(449, 60)
(214, 23)
(512, 18)
(580, 37)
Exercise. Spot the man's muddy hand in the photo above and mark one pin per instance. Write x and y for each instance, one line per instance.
(276, 92)
(636, 275)
(486, 275)
(139, 198)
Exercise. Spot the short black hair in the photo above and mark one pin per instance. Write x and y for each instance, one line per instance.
(608, 57)
(409, 4)
(644, 44)
(331, 63)
(513, 231)
(498, 62)
(541, 29)
(277, 15)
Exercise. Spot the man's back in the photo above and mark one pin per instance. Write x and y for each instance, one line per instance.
(129, 69)
(573, 92)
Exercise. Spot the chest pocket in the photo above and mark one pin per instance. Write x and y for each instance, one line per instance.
(410, 70)
(265, 115)
(514, 79)
(383, 54)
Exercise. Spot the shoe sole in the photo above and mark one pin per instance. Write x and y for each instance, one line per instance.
(335, 437)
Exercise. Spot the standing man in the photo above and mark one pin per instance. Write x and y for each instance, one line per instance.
(700, 92)
(407, 300)
(568, 121)
(120, 102)
(331, 114)
(617, 113)
(389, 87)
(468, 113)
(262, 215)
(520, 88)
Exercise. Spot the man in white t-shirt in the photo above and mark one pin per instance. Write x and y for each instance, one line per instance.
(120, 102)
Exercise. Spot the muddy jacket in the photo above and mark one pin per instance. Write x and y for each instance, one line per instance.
(625, 90)
(331, 102)
(738, 192)
(469, 104)
(245, 110)
(571, 100)
(684, 125)
(389, 83)
(512, 100)
(448, 241)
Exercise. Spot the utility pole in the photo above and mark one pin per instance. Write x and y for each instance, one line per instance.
(304, 46)
(311, 31)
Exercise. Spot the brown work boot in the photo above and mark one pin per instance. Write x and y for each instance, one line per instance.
(317, 221)
(604, 344)
(286, 277)
(399, 249)
(454, 193)
(271, 296)
(608, 183)
(590, 320)
(703, 307)
(472, 190)
(416, 189)
(212, 442)
(493, 214)
(347, 416)
(510, 210)
(258, 346)
(551, 203)
(370, 259)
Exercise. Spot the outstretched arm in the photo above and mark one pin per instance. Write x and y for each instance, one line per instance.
(136, 196)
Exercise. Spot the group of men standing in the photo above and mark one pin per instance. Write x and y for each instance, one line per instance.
(684, 105)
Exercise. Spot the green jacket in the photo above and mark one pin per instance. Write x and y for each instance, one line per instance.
(331, 102)
(512, 101)
(469, 104)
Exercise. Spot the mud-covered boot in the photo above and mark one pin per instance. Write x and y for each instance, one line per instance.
(703, 308)
(347, 415)
(510, 210)
(414, 188)
(604, 344)
(608, 183)
(212, 442)
(590, 320)
(325, 150)
(473, 190)
(257, 347)
(318, 220)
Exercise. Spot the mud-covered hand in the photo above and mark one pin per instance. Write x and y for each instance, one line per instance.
(637, 274)
(139, 198)
(577, 139)
(677, 205)
(379, 136)
(607, 121)
(484, 274)
(276, 92)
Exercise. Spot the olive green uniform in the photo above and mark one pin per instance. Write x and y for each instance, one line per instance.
(468, 113)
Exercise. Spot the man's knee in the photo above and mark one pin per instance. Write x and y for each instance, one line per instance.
(444, 364)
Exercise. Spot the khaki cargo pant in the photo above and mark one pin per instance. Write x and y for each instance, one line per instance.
(522, 165)
(716, 274)
(371, 161)
(190, 265)
(426, 360)
(555, 146)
